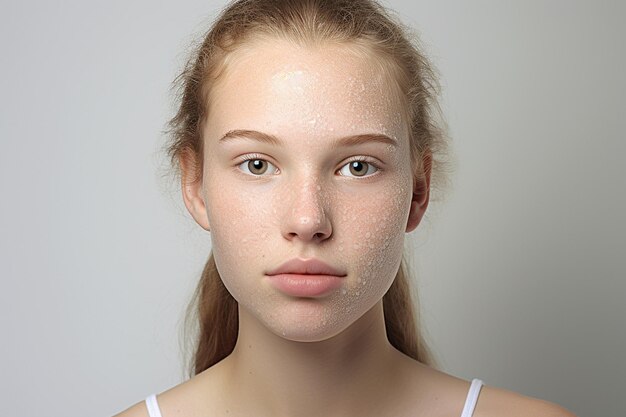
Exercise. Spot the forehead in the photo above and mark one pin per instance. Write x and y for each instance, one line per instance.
(284, 89)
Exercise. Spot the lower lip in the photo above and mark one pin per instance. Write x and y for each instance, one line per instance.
(305, 285)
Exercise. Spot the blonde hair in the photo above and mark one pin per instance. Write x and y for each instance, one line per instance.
(363, 25)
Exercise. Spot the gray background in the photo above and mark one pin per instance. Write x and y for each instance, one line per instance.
(521, 272)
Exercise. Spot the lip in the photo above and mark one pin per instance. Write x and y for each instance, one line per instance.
(310, 266)
(305, 277)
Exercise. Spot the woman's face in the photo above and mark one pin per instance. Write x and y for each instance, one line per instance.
(303, 195)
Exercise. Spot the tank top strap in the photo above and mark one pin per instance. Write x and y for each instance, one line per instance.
(472, 398)
(153, 406)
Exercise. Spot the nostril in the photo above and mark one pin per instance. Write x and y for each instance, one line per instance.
(322, 235)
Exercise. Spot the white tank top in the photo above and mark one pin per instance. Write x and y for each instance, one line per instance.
(468, 409)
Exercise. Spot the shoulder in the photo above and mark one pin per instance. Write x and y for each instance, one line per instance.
(445, 395)
(190, 398)
(494, 401)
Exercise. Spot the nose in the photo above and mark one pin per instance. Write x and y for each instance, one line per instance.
(305, 214)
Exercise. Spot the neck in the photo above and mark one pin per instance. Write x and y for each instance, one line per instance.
(270, 375)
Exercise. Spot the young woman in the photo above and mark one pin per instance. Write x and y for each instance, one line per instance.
(307, 147)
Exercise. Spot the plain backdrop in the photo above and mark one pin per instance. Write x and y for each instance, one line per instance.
(521, 274)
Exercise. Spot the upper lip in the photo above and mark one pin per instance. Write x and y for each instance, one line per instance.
(310, 266)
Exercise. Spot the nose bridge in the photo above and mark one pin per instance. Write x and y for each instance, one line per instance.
(306, 214)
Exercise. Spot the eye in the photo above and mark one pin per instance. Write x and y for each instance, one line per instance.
(358, 168)
(256, 166)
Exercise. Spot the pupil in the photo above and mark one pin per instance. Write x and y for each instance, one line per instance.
(257, 166)
(357, 167)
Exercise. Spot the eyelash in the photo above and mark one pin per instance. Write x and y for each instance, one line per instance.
(366, 160)
(252, 157)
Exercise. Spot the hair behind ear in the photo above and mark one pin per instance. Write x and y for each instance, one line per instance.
(190, 167)
(402, 322)
(214, 310)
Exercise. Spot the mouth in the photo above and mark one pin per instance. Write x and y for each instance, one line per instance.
(311, 266)
(306, 277)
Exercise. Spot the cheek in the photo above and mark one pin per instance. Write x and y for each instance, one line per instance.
(239, 228)
(374, 236)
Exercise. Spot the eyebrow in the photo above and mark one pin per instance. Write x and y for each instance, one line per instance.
(338, 142)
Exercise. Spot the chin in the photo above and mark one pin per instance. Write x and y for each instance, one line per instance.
(299, 334)
(312, 327)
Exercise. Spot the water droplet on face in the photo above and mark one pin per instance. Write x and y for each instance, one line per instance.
(343, 291)
(340, 248)
(358, 293)
(359, 279)
(368, 235)
(319, 188)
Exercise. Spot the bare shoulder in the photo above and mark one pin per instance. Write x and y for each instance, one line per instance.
(188, 399)
(178, 400)
(494, 401)
(447, 395)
